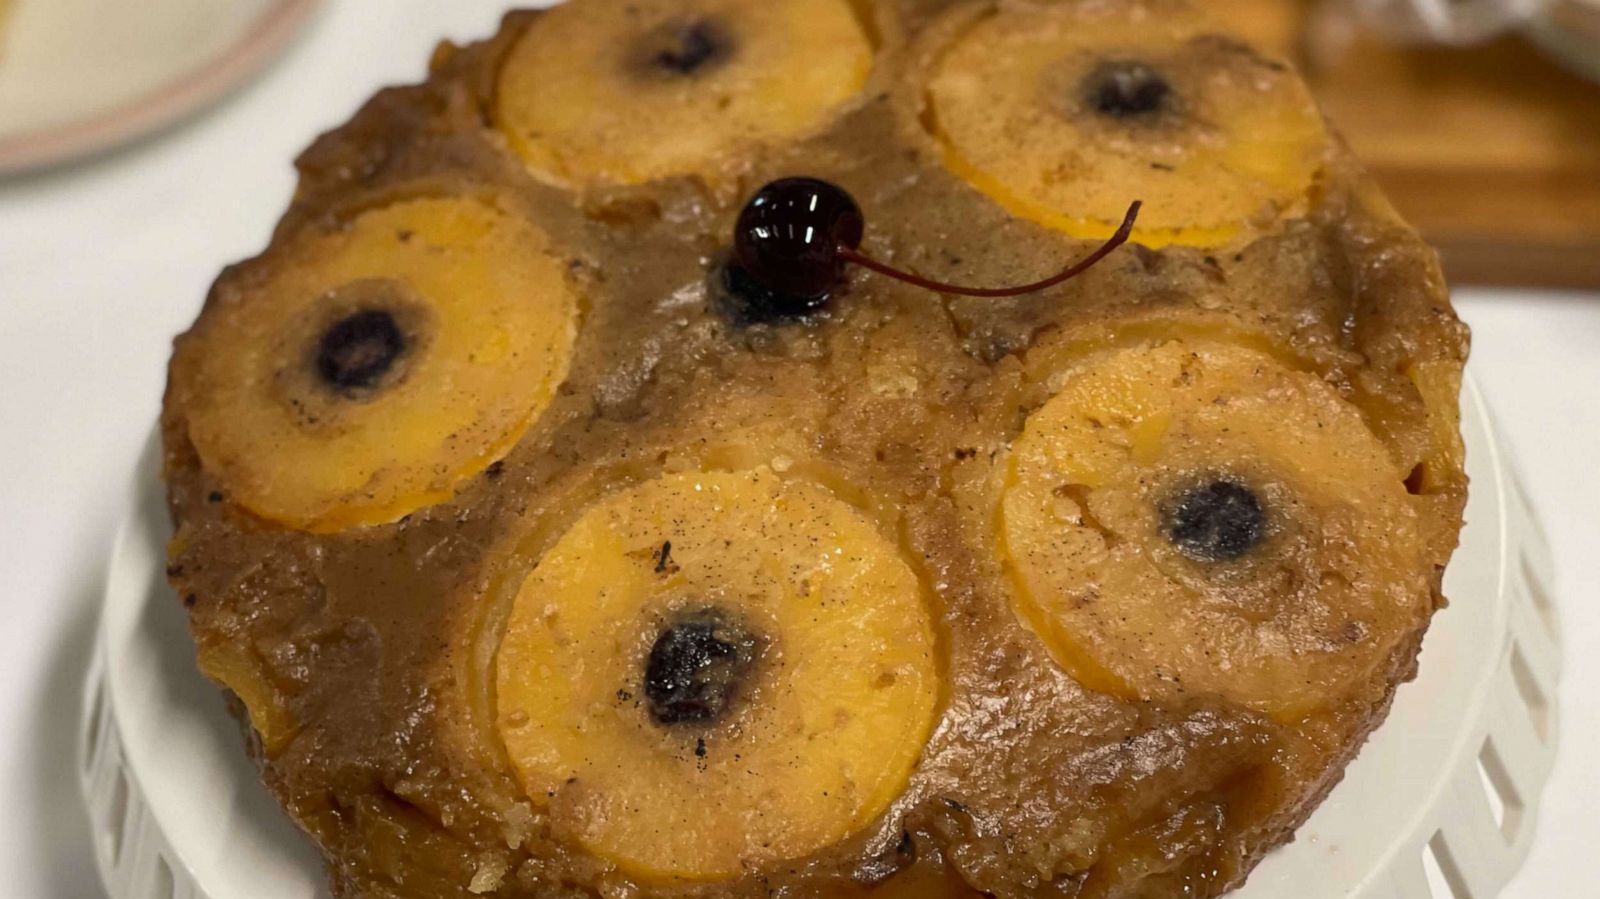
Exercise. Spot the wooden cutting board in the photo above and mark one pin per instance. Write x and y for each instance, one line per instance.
(1492, 151)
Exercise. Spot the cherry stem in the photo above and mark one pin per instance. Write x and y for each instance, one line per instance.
(1115, 240)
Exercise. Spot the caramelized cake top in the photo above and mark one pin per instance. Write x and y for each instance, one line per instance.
(549, 553)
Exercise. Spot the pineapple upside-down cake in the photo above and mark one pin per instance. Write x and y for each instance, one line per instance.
(627, 472)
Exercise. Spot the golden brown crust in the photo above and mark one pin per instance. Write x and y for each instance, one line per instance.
(370, 647)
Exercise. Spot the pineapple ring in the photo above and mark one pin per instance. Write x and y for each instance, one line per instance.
(630, 91)
(237, 669)
(821, 636)
(1439, 382)
(1197, 519)
(395, 359)
(1064, 113)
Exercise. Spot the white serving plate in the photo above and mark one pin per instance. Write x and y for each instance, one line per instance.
(1440, 804)
(78, 77)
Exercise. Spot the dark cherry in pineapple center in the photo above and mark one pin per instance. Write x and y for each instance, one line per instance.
(696, 667)
(795, 237)
(1216, 521)
(791, 234)
(683, 49)
(359, 350)
(1128, 90)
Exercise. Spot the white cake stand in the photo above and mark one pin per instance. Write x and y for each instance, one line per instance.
(1440, 804)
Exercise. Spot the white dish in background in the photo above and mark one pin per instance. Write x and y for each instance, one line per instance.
(1569, 30)
(1440, 804)
(78, 77)
(1442, 21)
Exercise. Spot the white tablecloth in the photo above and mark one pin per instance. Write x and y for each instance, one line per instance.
(100, 264)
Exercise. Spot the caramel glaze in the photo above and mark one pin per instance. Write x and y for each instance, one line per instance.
(376, 642)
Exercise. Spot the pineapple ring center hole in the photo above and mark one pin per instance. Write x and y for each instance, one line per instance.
(1127, 89)
(698, 667)
(685, 48)
(1217, 519)
(374, 330)
(360, 349)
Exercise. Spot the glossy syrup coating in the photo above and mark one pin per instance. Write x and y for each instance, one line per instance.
(455, 698)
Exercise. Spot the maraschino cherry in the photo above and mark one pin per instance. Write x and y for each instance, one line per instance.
(795, 237)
